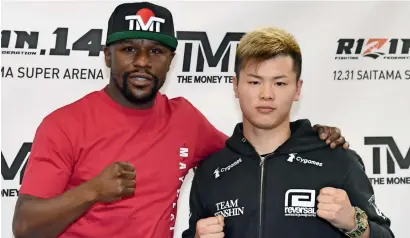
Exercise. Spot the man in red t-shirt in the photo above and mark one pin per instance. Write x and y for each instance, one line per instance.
(111, 164)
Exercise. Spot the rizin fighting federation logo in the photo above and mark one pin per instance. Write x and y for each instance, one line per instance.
(375, 48)
(145, 20)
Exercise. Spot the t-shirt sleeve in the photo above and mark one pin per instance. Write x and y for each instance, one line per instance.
(208, 139)
(50, 162)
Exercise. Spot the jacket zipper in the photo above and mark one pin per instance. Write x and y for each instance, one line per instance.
(262, 165)
(262, 179)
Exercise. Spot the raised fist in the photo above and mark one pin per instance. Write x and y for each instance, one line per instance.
(114, 182)
(211, 227)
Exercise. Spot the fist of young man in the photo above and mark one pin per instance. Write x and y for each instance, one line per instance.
(114, 182)
(334, 206)
(211, 227)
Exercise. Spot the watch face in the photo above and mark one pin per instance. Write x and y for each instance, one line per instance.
(362, 223)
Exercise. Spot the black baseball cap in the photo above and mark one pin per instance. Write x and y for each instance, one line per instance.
(142, 20)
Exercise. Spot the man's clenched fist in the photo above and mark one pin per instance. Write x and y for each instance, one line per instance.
(114, 182)
(334, 206)
(211, 227)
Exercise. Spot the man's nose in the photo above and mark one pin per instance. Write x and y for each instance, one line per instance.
(142, 60)
(267, 92)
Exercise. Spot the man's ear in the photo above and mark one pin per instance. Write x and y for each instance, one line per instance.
(107, 55)
(298, 90)
(170, 60)
(235, 82)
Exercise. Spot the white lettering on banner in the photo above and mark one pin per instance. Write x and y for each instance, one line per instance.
(82, 74)
(300, 203)
(207, 79)
(51, 73)
(6, 73)
(153, 24)
(369, 75)
(398, 180)
(210, 79)
(9, 192)
(229, 208)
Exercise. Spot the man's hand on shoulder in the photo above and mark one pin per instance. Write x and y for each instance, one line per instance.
(210, 227)
(332, 135)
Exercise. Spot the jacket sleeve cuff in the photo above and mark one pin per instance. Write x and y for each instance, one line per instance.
(378, 231)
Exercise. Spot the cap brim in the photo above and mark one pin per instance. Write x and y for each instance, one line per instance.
(172, 42)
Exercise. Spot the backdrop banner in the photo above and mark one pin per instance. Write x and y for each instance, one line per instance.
(356, 73)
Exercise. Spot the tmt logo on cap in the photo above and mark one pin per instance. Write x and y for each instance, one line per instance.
(145, 20)
(142, 20)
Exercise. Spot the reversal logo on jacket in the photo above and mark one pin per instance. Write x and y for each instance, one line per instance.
(300, 203)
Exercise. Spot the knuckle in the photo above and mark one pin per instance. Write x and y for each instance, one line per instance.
(116, 169)
(199, 224)
(119, 185)
(119, 182)
(201, 230)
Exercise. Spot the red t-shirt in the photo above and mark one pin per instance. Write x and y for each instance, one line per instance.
(77, 141)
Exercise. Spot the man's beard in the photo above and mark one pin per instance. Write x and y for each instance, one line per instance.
(127, 93)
